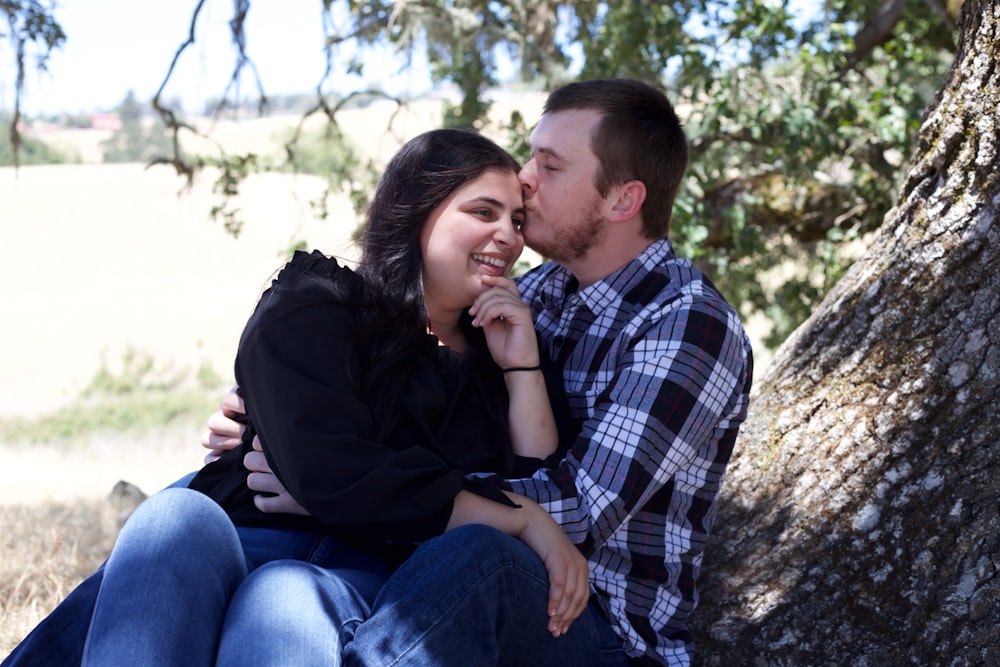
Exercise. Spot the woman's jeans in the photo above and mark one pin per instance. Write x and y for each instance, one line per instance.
(59, 638)
(183, 586)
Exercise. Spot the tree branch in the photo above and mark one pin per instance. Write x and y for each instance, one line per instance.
(942, 12)
(29, 22)
(167, 115)
(15, 135)
(242, 59)
(875, 32)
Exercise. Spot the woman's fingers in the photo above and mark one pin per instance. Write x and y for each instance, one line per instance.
(505, 283)
(569, 592)
(497, 303)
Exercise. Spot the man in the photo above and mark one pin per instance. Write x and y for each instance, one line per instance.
(657, 372)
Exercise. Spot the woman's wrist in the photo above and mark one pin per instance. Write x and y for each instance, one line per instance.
(521, 369)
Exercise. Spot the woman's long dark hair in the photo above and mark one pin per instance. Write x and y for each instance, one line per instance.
(425, 171)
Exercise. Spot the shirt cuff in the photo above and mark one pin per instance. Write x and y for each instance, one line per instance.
(483, 488)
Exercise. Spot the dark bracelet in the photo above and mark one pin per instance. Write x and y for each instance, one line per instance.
(522, 368)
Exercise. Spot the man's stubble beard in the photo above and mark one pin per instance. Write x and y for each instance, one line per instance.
(570, 245)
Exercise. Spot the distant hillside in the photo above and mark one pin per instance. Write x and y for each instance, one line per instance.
(378, 128)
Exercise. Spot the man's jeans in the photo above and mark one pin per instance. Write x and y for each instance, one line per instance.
(476, 597)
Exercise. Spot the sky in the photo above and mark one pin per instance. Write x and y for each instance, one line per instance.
(115, 45)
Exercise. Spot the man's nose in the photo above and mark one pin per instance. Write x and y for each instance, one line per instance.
(527, 177)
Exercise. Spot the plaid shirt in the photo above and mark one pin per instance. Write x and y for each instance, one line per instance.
(657, 368)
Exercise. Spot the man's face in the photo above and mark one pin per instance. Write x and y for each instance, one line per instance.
(565, 215)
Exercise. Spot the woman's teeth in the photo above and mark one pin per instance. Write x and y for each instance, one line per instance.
(492, 261)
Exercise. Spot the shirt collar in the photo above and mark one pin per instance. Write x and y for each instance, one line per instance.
(606, 292)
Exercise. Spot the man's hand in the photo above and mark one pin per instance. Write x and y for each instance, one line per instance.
(263, 480)
(225, 432)
(225, 427)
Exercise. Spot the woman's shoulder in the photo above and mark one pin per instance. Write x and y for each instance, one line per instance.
(312, 293)
(310, 282)
(315, 276)
(317, 263)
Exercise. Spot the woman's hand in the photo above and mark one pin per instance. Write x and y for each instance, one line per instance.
(225, 427)
(569, 584)
(510, 335)
(506, 321)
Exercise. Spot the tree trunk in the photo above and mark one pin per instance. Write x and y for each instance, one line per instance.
(860, 523)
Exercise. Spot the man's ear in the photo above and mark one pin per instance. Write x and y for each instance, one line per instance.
(628, 204)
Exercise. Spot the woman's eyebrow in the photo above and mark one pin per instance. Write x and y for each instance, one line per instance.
(485, 200)
(495, 203)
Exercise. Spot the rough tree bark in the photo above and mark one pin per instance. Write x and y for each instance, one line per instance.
(860, 524)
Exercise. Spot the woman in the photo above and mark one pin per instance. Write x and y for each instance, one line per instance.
(366, 419)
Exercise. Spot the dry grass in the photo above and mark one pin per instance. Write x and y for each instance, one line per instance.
(60, 515)
(46, 549)
(96, 259)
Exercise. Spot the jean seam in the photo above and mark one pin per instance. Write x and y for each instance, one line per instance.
(499, 567)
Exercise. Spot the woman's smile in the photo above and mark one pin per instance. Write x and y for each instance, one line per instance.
(492, 265)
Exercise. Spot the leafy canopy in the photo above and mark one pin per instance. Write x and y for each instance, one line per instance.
(800, 117)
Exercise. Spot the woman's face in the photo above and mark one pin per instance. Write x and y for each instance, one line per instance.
(474, 232)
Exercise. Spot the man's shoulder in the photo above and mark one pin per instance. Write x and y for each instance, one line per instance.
(682, 278)
(676, 290)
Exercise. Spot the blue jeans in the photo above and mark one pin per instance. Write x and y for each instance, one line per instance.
(58, 639)
(184, 586)
(296, 613)
(476, 597)
(473, 596)
(167, 584)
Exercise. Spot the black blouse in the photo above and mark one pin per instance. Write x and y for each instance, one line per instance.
(294, 366)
